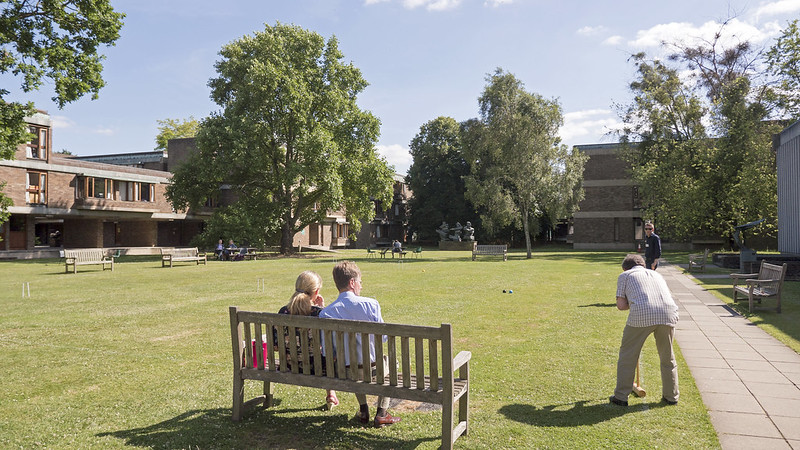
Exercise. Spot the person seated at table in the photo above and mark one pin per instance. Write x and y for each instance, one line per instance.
(220, 250)
(306, 301)
(230, 249)
(397, 247)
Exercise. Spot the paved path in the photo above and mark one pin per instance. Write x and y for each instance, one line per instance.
(748, 379)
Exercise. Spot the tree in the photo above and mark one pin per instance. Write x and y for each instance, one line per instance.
(54, 40)
(436, 178)
(696, 179)
(783, 61)
(175, 128)
(290, 139)
(518, 168)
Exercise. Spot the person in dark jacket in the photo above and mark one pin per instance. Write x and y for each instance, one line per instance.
(652, 246)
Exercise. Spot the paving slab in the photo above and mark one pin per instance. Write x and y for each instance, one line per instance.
(748, 380)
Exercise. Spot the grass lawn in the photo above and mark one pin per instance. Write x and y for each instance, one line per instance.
(784, 326)
(142, 357)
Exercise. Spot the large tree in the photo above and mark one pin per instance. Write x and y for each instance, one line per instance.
(436, 178)
(290, 140)
(703, 156)
(519, 171)
(57, 40)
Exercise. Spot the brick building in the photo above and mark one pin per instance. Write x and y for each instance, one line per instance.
(609, 217)
(61, 201)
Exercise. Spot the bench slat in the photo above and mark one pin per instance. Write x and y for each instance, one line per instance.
(419, 353)
(434, 364)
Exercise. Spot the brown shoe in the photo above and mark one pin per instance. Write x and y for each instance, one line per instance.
(388, 419)
(363, 418)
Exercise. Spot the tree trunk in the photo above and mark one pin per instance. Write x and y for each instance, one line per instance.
(525, 230)
(287, 236)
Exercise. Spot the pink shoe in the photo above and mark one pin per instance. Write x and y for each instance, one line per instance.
(331, 400)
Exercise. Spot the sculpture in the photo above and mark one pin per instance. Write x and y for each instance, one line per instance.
(456, 236)
(468, 232)
(443, 230)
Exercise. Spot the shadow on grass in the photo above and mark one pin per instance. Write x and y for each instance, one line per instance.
(213, 428)
(570, 414)
(598, 305)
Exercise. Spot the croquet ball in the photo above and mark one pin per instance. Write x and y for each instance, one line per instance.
(510, 291)
(504, 291)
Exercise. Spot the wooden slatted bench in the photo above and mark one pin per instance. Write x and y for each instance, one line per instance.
(86, 256)
(493, 250)
(698, 260)
(170, 255)
(768, 282)
(420, 362)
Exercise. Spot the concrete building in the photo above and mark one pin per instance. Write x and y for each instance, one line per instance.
(787, 145)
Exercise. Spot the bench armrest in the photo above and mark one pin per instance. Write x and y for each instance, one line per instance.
(756, 282)
(461, 359)
(743, 275)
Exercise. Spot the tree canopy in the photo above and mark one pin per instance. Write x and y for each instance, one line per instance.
(518, 168)
(174, 129)
(701, 145)
(436, 178)
(51, 40)
(290, 139)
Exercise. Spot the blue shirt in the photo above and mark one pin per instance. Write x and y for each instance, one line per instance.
(353, 307)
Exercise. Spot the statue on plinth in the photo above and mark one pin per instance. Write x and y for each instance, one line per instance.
(456, 236)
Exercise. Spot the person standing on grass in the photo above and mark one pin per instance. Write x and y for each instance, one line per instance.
(350, 305)
(306, 301)
(652, 246)
(652, 311)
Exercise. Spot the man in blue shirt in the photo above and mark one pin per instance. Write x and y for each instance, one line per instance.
(350, 305)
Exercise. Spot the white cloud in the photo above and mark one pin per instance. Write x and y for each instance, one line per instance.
(588, 126)
(613, 40)
(735, 31)
(104, 131)
(397, 155)
(432, 5)
(373, 2)
(62, 122)
(778, 8)
(592, 31)
(496, 3)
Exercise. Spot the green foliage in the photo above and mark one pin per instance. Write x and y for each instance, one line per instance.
(53, 40)
(700, 148)
(783, 60)
(290, 139)
(144, 360)
(518, 169)
(175, 128)
(436, 178)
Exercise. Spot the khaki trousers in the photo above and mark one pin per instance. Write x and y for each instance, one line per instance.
(633, 339)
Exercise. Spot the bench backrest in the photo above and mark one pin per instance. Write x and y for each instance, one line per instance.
(490, 248)
(419, 350)
(772, 272)
(85, 254)
(178, 252)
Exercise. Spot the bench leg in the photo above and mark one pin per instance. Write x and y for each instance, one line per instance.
(238, 398)
(447, 424)
(463, 402)
(268, 394)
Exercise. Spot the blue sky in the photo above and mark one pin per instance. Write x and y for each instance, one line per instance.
(422, 58)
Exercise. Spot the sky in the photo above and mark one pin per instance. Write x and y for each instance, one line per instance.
(422, 59)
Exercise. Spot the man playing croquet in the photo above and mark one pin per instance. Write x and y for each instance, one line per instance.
(652, 311)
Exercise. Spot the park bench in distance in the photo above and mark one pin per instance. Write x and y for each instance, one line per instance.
(768, 282)
(86, 256)
(493, 250)
(170, 255)
(698, 260)
(414, 363)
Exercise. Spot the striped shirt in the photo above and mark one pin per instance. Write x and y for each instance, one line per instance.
(649, 298)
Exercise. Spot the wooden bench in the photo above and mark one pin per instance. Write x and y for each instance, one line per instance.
(420, 366)
(698, 260)
(494, 250)
(768, 282)
(86, 256)
(170, 255)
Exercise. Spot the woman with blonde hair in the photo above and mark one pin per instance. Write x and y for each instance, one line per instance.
(306, 301)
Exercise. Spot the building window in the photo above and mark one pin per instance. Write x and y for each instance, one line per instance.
(341, 230)
(37, 147)
(145, 192)
(124, 191)
(36, 188)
